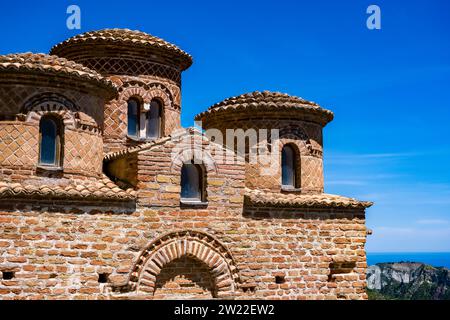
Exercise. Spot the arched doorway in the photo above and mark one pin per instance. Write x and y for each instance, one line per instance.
(185, 278)
(185, 265)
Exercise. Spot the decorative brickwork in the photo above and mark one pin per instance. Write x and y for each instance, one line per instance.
(124, 66)
(306, 136)
(59, 253)
(192, 244)
(109, 220)
(17, 145)
(145, 90)
(122, 42)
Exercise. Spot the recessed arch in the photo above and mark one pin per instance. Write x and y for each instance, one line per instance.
(147, 92)
(197, 155)
(49, 101)
(50, 104)
(185, 278)
(297, 134)
(147, 124)
(188, 243)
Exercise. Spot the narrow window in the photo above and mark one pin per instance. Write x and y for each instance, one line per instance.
(288, 167)
(50, 136)
(154, 120)
(133, 118)
(191, 182)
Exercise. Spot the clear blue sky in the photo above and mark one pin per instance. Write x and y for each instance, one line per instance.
(389, 89)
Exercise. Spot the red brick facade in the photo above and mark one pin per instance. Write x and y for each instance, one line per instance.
(110, 222)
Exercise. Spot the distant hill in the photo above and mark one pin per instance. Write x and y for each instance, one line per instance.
(407, 281)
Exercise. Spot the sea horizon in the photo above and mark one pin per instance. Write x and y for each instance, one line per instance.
(435, 259)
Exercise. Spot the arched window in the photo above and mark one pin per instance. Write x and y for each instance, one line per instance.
(192, 182)
(289, 167)
(154, 120)
(133, 117)
(50, 141)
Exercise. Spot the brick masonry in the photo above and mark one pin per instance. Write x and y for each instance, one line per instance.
(60, 253)
(130, 236)
(145, 89)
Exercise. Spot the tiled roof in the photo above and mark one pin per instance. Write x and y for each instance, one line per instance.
(118, 154)
(322, 200)
(147, 145)
(47, 64)
(266, 100)
(65, 189)
(125, 37)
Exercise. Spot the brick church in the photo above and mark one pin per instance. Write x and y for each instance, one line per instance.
(103, 195)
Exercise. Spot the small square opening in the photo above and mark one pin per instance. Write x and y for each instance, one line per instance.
(103, 277)
(340, 268)
(280, 279)
(7, 275)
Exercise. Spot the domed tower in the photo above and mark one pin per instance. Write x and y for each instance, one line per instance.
(51, 119)
(147, 71)
(288, 129)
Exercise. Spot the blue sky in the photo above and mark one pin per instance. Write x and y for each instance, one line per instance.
(388, 88)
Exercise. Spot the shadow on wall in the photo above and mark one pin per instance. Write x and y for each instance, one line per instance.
(184, 278)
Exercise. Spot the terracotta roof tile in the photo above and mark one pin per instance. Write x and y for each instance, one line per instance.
(258, 197)
(73, 189)
(266, 100)
(47, 64)
(147, 145)
(124, 37)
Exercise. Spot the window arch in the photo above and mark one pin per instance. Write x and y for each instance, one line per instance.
(50, 141)
(192, 184)
(289, 167)
(153, 120)
(142, 124)
(133, 117)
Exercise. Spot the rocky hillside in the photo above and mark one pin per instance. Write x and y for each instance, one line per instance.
(408, 281)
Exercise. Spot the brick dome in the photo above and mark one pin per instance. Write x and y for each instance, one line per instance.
(267, 101)
(25, 64)
(136, 43)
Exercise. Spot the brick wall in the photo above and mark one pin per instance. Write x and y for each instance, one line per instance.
(159, 175)
(278, 253)
(144, 88)
(306, 136)
(249, 251)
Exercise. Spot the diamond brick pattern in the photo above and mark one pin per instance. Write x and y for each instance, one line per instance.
(312, 174)
(81, 152)
(123, 66)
